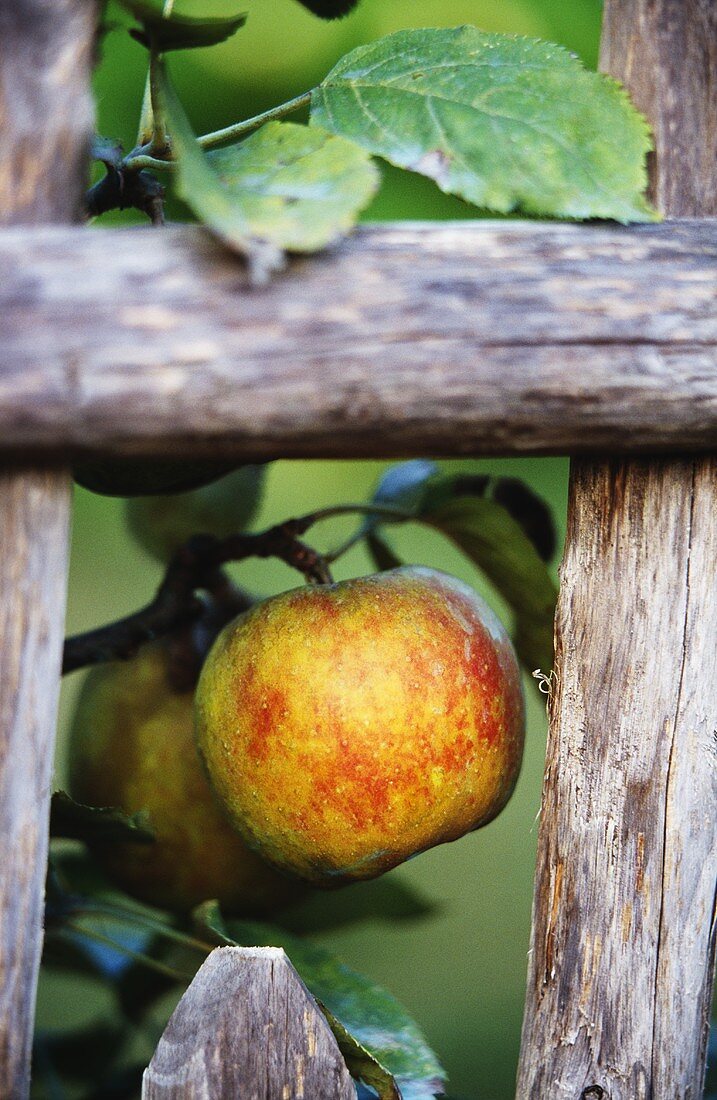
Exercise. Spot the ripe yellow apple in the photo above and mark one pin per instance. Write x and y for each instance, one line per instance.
(347, 727)
(132, 746)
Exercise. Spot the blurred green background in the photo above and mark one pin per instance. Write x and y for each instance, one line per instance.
(461, 972)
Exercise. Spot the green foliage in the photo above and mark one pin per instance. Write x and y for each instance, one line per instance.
(161, 524)
(378, 1037)
(503, 122)
(506, 123)
(199, 184)
(500, 525)
(175, 31)
(286, 187)
(300, 188)
(100, 825)
(492, 539)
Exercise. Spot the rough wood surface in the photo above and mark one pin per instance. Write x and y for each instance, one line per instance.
(34, 511)
(624, 922)
(448, 339)
(619, 950)
(45, 122)
(665, 52)
(46, 115)
(247, 1029)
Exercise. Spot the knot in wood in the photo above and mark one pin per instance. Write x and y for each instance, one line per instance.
(594, 1092)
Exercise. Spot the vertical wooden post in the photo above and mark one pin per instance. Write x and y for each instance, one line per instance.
(45, 120)
(622, 953)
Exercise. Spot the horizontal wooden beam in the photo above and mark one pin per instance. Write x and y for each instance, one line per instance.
(448, 338)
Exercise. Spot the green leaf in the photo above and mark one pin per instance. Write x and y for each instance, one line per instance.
(500, 524)
(300, 188)
(138, 477)
(491, 538)
(372, 1017)
(529, 511)
(179, 32)
(201, 188)
(361, 1064)
(419, 487)
(75, 949)
(404, 485)
(507, 123)
(96, 824)
(330, 9)
(526, 507)
(381, 553)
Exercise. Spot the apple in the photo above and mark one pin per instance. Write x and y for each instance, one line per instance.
(347, 727)
(162, 523)
(132, 747)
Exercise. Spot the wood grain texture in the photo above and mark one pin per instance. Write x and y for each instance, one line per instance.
(478, 338)
(45, 125)
(34, 511)
(665, 52)
(247, 1029)
(624, 922)
(619, 954)
(46, 115)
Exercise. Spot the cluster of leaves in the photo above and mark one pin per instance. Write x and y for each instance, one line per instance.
(505, 123)
(499, 524)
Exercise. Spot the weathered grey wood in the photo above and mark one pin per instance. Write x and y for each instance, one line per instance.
(247, 1029)
(452, 338)
(666, 54)
(45, 121)
(629, 792)
(46, 114)
(624, 921)
(34, 511)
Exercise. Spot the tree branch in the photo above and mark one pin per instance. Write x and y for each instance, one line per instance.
(195, 567)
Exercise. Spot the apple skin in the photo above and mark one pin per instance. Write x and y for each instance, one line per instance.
(132, 746)
(347, 727)
(160, 524)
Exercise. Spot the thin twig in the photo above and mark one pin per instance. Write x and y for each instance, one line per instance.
(133, 163)
(160, 144)
(137, 956)
(345, 546)
(231, 133)
(139, 919)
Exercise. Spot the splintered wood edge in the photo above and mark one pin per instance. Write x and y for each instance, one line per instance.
(247, 1026)
(407, 339)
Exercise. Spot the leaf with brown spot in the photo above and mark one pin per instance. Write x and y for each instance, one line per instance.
(507, 123)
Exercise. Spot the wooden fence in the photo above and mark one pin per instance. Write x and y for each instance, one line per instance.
(488, 339)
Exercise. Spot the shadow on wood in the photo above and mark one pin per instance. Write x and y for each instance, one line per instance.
(247, 1029)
